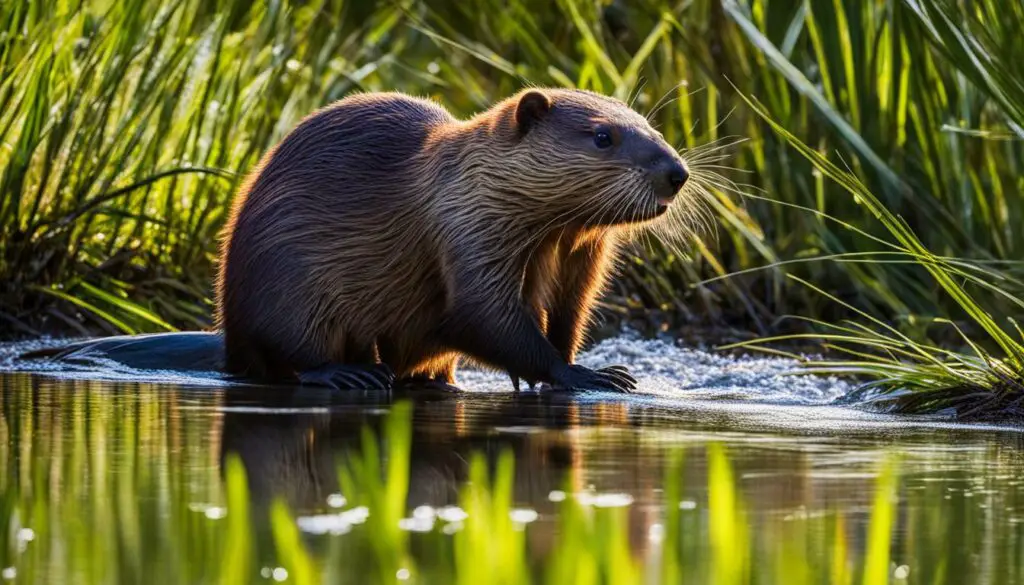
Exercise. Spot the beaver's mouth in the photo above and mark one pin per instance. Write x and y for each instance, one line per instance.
(661, 205)
(664, 202)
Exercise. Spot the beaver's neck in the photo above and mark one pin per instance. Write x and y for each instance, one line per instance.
(475, 157)
(474, 203)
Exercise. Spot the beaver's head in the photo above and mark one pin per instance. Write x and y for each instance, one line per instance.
(591, 159)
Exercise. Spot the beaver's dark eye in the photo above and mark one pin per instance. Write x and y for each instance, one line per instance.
(603, 139)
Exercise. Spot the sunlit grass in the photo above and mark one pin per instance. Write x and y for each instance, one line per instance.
(915, 376)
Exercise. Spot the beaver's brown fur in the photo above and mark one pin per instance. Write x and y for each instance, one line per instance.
(382, 229)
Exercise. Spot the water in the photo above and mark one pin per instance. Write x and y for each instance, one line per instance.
(120, 476)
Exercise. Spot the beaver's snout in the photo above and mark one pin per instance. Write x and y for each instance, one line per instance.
(668, 175)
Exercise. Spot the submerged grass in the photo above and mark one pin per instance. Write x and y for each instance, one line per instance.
(880, 163)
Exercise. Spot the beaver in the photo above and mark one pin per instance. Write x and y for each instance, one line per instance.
(384, 238)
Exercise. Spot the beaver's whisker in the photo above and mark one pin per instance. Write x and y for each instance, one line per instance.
(715, 147)
(637, 91)
(662, 104)
(607, 204)
(726, 168)
(657, 104)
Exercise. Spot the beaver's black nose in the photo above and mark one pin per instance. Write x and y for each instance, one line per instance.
(677, 175)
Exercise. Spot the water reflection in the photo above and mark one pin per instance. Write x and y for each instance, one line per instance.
(120, 481)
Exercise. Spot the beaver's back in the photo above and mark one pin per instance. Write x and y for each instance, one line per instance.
(320, 231)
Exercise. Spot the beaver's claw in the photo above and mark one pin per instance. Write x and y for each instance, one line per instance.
(621, 374)
(612, 378)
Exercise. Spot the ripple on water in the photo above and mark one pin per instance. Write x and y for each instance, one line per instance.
(752, 391)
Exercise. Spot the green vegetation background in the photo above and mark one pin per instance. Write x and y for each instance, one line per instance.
(878, 178)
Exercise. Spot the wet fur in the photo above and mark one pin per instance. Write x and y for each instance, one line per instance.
(382, 228)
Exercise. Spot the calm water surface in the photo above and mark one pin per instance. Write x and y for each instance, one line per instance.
(121, 481)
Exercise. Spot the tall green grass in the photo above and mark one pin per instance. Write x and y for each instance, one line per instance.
(125, 128)
(982, 291)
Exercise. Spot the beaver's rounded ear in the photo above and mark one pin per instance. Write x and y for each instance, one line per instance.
(532, 107)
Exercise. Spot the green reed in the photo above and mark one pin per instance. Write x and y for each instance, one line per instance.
(125, 128)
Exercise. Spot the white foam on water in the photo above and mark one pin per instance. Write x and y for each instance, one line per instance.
(668, 370)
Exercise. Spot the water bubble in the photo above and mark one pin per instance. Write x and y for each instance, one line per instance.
(901, 572)
(215, 512)
(611, 500)
(9, 573)
(336, 500)
(452, 514)
(523, 516)
(23, 537)
(424, 513)
(324, 524)
(293, 65)
(556, 496)
(340, 523)
(451, 528)
(433, 68)
(416, 524)
(280, 574)
(265, 572)
(402, 574)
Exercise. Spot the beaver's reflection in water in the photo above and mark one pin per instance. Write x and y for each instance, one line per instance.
(293, 446)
